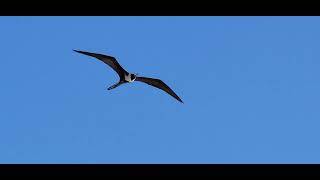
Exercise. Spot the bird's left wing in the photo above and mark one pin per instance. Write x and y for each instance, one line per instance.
(159, 84)
(109, 60)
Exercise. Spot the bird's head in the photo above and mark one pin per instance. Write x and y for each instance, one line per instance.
(134, 76)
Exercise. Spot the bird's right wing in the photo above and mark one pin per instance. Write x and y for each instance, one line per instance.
(159, 84)
(109, 60)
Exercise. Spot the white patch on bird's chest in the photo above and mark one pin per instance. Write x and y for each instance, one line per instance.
(128, 78)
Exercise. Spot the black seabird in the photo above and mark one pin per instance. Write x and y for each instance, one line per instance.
(126, 77)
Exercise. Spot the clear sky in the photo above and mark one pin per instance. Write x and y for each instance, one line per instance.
(250, 86)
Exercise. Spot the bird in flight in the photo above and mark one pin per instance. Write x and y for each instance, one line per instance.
(126, 77)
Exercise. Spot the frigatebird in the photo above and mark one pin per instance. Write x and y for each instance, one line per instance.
(126, 77)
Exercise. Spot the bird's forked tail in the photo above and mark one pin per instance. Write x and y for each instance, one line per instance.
(115, 85)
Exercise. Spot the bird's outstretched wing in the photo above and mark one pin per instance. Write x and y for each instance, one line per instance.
(159, 84)
(109, 60)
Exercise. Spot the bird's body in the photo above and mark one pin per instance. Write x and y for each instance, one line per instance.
(126, 77)
(130, 77)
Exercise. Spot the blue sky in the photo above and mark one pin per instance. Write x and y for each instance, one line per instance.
(250, 86)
